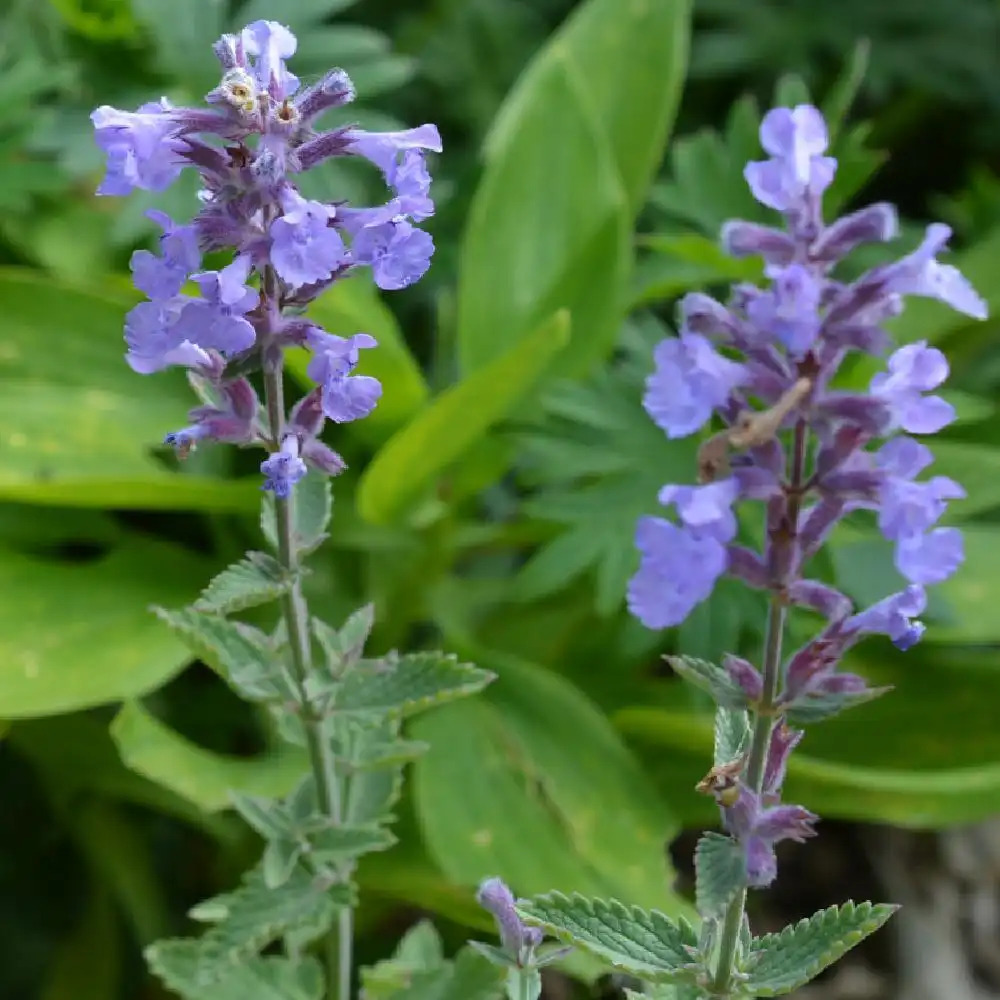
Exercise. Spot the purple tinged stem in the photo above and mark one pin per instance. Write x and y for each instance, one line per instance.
(785, 536)
(329, 794)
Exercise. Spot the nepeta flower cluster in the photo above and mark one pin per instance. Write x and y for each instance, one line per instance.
(765, 362)
(258, 133)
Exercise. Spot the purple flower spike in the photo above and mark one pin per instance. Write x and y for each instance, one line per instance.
(284, 468)
(690, 381)
(914, 370)
(345, 397)
(790, 311)
(677, 571)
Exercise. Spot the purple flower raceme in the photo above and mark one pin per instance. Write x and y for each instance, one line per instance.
(258, 133)
(765, 363)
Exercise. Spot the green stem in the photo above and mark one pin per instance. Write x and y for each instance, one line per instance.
(329, 792)
(764, 717)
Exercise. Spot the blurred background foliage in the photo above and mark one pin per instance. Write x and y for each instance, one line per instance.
(592, 150)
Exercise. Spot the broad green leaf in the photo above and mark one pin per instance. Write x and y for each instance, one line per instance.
(591, 111)
(177, 964)
(791, 958)
(409, 684)
(201, 776)
(353, 306)
(720, 871)
(921, 790)
(537, 762)
(644, 943)
(455, 421)
(80, 634)
(80, 426)
(182, 34)
(255, 579)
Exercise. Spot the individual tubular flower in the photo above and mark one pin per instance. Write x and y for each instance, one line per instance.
(690, 381)
(258, 133)
(517, 938)
(914, 370)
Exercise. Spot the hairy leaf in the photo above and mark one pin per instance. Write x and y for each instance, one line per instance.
(732, 734)
(409, 684)
(720, 873)
(710, 677)
(645, 943)
(785, 961)
(255, 579)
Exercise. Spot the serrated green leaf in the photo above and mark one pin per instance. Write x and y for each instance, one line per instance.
(720, 872)
(409, 684)
(255, 579)
(732, 734)
(266, 816)
(249, 918)
(176, 962)
(785, 961)
(456, 419)
(241, 653)
(817, 706)
(710, 677)
(341, 843)
(645, 943)
(371, 794)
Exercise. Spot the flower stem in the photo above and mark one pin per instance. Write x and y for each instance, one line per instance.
(329, 792)
(764, 721)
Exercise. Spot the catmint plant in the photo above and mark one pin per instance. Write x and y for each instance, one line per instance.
(230, 329)
(765, 363)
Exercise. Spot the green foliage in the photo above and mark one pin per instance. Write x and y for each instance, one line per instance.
(455, 421)
(256, 579)
(643, 943)
(780, 963)
(592, 110)
(709, 677)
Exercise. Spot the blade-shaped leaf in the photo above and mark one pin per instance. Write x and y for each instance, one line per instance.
(255, 579)
(455, 421)
(720, 872)
(410, 684)
(710, 677)
(645, 943)
(732, 734)
(785, 961)
(345, 842)
(593, 109)
(204, 777)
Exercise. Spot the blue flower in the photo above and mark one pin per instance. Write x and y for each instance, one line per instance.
(345, 397)
(142, 150)
(913, 371)
(283, 469)
(677, 571)
(271, 44)
(689, 382)
(895, 616)
(796, 139)
(304, 247)
(790, 309)
(163, 277)
(399, 253)
(398, 155)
